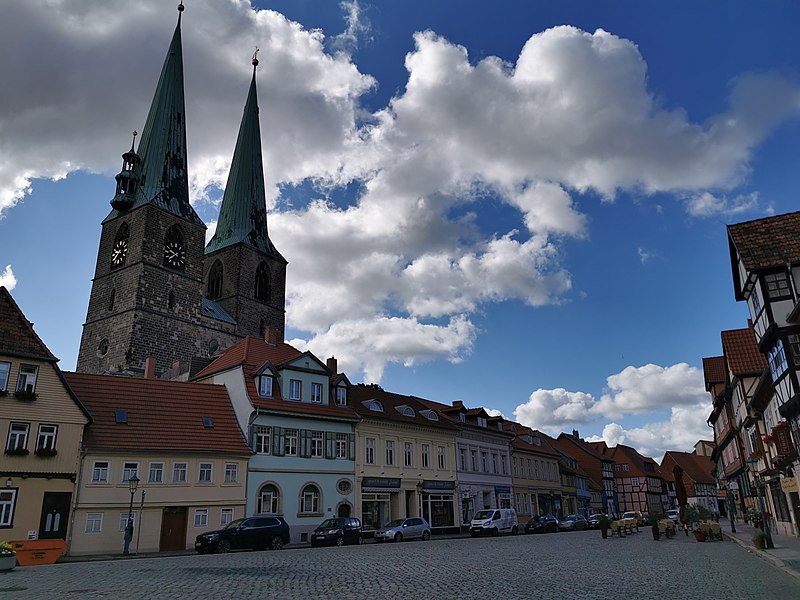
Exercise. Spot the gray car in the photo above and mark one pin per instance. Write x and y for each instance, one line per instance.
(404, 529)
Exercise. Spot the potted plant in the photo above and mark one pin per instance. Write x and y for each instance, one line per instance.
(653, 521)
(759, 539)
(700, 533)
(18, 451)
(8, 559)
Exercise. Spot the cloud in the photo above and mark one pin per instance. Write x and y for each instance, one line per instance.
(493, 412)
(553, 411)
(7, 279)
(358, 28)
(706, 204)
(638, 390)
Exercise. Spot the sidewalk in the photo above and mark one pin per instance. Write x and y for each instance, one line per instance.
(785, 555)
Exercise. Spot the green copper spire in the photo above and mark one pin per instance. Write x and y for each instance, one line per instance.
(243, 215)
(162, 173)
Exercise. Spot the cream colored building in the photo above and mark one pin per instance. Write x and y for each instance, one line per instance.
(405, 460)
(183, 443)
(42, 426)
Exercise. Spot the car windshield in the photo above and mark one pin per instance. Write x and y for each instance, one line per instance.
(628, 515)
(483, 514)
(330, 524)
(570, 518)
(233, 524)
(395, 523)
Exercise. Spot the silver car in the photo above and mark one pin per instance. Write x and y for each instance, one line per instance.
(404, 529)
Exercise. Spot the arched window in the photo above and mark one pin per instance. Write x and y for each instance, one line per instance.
(174, 249)
(269, 500)
(263, 290)
(214, 288)
(111, 297)
(119, 251)
(171, 301)
(309, 500)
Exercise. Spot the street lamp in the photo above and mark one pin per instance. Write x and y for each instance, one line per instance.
(133, 483)
(732, 487)
(752, 462)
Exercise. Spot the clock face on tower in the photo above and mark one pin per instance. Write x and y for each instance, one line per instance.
(174, 254)
(119, 252)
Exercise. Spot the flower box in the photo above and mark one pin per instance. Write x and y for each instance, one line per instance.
(26, 396)
(17, 451)
(3, 393)
(45, 452)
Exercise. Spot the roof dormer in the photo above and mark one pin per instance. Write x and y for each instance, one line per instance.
(405, 410)
(429, 414)
(373, 405)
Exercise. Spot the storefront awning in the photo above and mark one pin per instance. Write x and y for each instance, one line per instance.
(378, 490)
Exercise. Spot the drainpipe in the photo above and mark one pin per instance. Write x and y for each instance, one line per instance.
(77, 496)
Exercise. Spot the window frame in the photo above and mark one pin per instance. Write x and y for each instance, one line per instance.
(440, 453)
(425, 453)
(266, 381)
(317, 444)
(369, 451)
(225, 511)
(155, 467)
(8, 506)
(291, 442)
(390, 452)
(262, 433)
(127, 472)
(93, 518)
(5, 375)
(16, 435)
(274, 499)
(341, 442)
(207, 469)
(41, 435)
(316, 392)
(180, 467)
(23, 377)
(315, 498)
(341, 395)
(200, 517)
(96, 468)
(295, 390)
(231, 472)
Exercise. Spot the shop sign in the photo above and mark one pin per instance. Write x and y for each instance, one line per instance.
(502, 489)
(380, 482)
(783, 442)
(435, 484)
(789, 484)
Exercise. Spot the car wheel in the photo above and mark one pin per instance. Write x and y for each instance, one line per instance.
(360, 540)
(276, 544)
(223, 546)
(495, 533)
(340, 541)
(426, 535)
(514, 530)
(398, 537)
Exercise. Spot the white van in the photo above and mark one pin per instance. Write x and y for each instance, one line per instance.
(494, 521)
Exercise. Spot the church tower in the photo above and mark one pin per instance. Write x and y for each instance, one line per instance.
(244, 272)
(147, 291)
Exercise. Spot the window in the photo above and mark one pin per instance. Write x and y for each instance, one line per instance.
(341, 445)
(408, 454)
(635, 481)
(214, 289)
(129, 469)
(316, 392)
(17, 436)
(263, 288)
(317, 441)
(389, 452)
(100, 471)
(482, 421)
(777, 286)
(290, 442)
(204, 474)
(514, 466)
(5, 369)
(179, 472)
(369, 456)
(265, 386)
(8, 500)
(440, 453)
(155, 473)
(794, 346)
(756, 304)
(530, 469)
(263, 437)
(26, 380)
(201, 517)
(341, 396)
(94, 523)
(268, 500)
(485, 461)
(463, 454)
(426, 450)
(310, 500)
(225, 516)
(474, 454)
(503, 465)
(295, 389)
(231, 472)
(123, 519)
(777, 360)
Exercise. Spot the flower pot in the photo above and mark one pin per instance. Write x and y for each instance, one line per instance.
(7, 563)
(656, 532)
(700, 535)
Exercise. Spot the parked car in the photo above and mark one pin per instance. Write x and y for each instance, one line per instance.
(338, 532)
(573, 523)
(543, 524)
(674, 514)
(594, 520)
(404, 529)
(634, 514)
(254, 533)
(494, 521)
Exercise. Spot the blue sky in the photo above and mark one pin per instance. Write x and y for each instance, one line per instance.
(518, 205)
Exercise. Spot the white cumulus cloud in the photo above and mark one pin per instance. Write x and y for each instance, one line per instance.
(7, 278)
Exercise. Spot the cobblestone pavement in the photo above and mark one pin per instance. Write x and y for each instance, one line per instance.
(565, 565)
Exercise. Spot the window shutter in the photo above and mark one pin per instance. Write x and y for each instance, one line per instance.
(352, 454)
(253, 437)
(305, 443)
(330, 441)
(277, 441)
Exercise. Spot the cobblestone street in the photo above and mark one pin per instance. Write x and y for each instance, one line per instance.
(555, 566)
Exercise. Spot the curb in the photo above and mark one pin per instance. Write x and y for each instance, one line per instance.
(762, 554)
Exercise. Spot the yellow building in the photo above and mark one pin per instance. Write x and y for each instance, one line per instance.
(405, 460)
(534, 474)
(42, 423)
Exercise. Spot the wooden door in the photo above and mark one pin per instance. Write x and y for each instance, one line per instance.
(55, 515)
(173, 528)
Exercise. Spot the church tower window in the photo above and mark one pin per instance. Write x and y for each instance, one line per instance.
(214, 289)
(263, 291)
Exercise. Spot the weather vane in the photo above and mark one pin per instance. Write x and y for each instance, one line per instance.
(255, 57)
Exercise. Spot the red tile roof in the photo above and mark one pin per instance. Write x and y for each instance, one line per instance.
(713, 371)
(741, 352)
(520, 443)
(358, 394)
(696, 467)
(17, 337)
(767, 242)
(163, 416)
(253, 353)
(635, 461)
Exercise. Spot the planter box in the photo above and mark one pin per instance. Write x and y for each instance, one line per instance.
(38, 552)
(7, 563)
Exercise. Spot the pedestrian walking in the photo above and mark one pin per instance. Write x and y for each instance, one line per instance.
(128, 537)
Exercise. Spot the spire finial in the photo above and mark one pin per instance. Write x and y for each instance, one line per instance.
(133, 141)
(255, 57)
(180, 11)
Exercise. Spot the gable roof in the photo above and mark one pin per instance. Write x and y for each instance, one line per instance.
(252, 353)
(767, 243)
(162, 416)
(520, 443)
(741, 352)
(696, 467)
(713, 371)
(630, 456)
(361, 394)
(17, 337)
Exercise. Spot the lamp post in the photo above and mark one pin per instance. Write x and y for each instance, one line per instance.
(133, 483)
(752, 462)
(732, 486)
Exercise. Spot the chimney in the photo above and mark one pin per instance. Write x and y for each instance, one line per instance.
(458, 404)
(150, 367)
(332, 365)
(575, 434)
